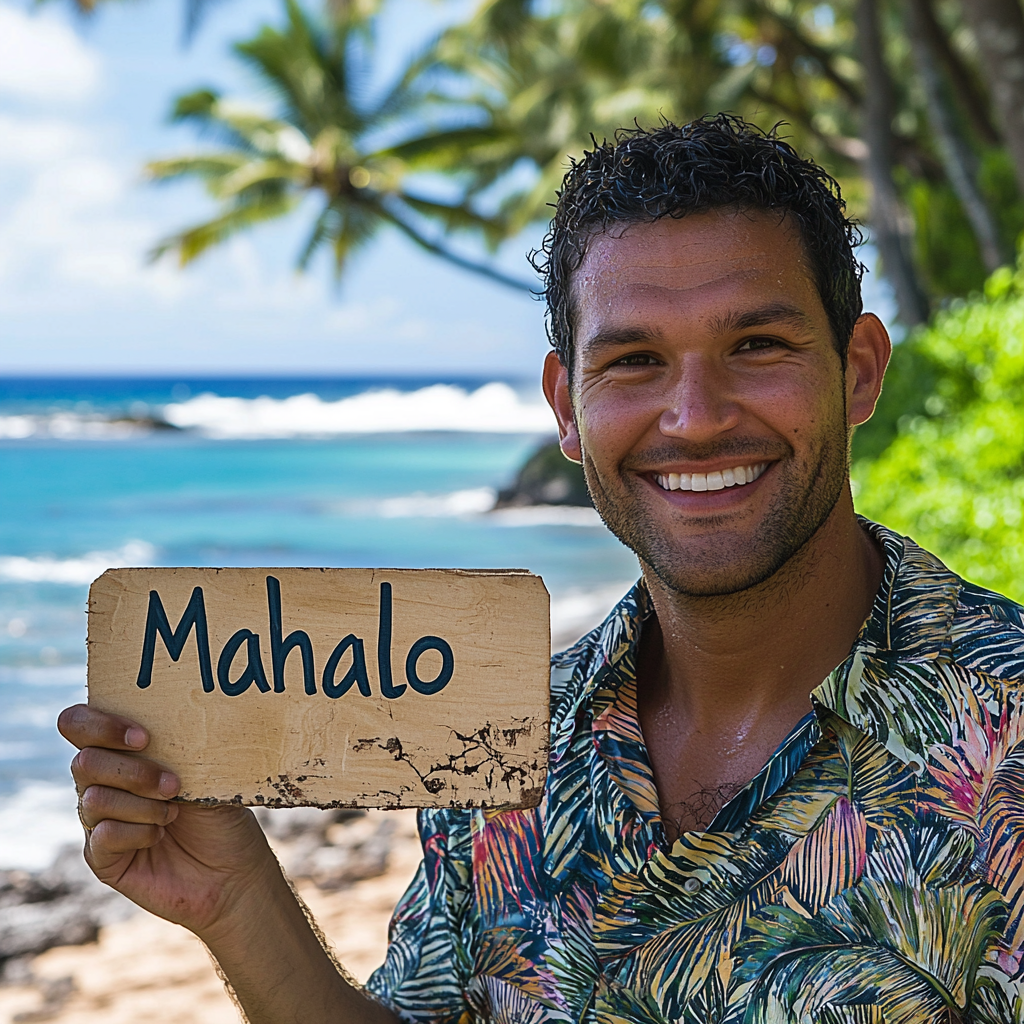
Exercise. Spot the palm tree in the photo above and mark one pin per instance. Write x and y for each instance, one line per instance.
(329, 139)
(544, 77)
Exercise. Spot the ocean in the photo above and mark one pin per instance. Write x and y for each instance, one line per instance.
(99, 473)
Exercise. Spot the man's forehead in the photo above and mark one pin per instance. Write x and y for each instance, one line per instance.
(683, 260)
(701, 244)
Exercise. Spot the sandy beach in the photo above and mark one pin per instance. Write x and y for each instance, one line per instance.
(146, 970)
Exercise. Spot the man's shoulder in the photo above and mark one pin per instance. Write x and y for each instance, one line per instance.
(987, 633)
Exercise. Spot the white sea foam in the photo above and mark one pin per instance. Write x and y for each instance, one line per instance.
(74, 571)
(494, 408)
(578, 611)
(473, 501)
(547, 515)
(68, 426)
(35, 822)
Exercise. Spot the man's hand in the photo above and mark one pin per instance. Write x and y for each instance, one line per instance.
(207, 868)
(179, 861)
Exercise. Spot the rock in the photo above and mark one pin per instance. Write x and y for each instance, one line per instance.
(547, 478)
(331, 848)
(64, 905)
(288, 824)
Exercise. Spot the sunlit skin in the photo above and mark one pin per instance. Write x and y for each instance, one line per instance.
(702, 344)
(671, 376)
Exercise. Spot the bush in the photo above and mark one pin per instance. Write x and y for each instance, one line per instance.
(952, 476)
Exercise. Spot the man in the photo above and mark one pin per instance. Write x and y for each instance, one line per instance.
(786, 772)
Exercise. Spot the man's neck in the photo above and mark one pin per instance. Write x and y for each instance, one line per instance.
(758, 646)
(721, 681)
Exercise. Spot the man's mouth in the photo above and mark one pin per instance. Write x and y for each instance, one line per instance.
(715, 481)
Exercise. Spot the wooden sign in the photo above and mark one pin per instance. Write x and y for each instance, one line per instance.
(331, 687)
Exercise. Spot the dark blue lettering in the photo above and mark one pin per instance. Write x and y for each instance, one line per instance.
(253, 669)
(280, 649)
(356, 671)
(157, 622)
(387, 687)
(430, 643)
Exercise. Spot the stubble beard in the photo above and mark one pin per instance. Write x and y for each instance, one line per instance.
(716, 563)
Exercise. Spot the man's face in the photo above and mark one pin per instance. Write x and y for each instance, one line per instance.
(707, 396)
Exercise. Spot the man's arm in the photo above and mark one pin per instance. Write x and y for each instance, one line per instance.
(209, 869)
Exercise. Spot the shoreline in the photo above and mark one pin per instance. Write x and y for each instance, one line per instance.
(145, 969)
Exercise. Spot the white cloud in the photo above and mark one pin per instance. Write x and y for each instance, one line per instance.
(34, 141)
(69, 226)
(41, 58)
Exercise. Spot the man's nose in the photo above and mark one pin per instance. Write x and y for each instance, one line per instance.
(699, 406)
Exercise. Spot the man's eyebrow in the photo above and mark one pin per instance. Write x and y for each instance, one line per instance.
(614, 337)
(774, 314)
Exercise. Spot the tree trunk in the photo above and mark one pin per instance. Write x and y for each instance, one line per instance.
(891, 226)
(967, 88)
(958, 159)
(998, 26)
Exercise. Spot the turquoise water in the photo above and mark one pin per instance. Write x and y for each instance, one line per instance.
(83, 490)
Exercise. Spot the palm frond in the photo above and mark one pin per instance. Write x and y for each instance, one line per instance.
(194, 241)
(397, 217)
(212, 166)
(260, 174)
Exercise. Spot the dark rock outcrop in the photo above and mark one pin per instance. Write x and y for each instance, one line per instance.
(64, 905)
(332, 849)
(547, 478)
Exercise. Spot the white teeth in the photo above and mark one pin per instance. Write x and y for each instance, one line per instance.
(714, 481)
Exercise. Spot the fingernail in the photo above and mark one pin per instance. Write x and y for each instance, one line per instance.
(135, 736)
(168, 785)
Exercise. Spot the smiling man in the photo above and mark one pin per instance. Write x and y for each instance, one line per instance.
(786, 772)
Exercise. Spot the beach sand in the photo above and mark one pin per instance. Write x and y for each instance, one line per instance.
(146, 970)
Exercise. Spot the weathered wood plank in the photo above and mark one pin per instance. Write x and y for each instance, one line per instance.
(331, 687)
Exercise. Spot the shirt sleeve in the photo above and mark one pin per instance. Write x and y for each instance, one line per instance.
(422, 978)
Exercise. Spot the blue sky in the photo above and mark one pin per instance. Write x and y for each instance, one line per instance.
(83, 104)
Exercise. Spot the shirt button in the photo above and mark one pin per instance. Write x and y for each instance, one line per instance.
(692, 886)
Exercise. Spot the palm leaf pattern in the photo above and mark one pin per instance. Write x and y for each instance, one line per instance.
(872, 873)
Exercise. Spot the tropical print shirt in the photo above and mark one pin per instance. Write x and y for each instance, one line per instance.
(872, 872)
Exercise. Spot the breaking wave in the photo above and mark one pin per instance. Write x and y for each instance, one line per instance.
(74, 571)
(494, 408)
(69, 426)
(470, 503)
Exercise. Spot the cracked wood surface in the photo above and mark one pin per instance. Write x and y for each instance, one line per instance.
(255, 728)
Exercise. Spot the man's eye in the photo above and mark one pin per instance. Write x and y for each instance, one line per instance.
(759, 344)
(635, 359)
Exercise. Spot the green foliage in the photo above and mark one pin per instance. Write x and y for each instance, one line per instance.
(953, 475)
(999, 185)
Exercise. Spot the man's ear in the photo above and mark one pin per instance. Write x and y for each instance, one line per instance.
(868, 357)
(556, 391)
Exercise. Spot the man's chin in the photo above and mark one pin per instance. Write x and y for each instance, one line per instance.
(703, 573)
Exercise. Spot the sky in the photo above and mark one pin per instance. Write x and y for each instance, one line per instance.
(83, 105)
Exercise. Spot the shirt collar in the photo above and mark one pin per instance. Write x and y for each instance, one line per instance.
(877, 688)
(895, 685)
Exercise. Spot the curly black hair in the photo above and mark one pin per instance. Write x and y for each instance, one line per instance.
(718, 161)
